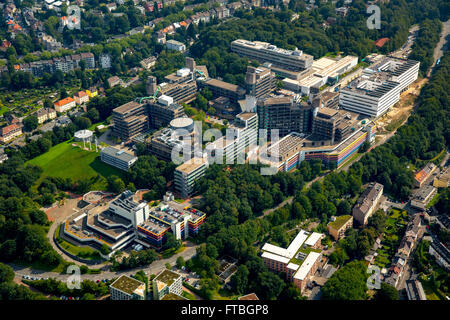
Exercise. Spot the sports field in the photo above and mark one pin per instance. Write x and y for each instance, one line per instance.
(67, 161)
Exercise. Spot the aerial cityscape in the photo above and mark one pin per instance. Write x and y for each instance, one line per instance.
(224, 150)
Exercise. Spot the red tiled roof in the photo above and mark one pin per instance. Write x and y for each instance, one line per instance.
(381, 42)
(8, 129)
(64, 101)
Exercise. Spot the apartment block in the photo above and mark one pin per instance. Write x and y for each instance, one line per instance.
(422, 175)
(294, 60)
(338, 225)
(130, 120)
(423, 196)
(175, 45)
(366, 204)
(10, 132)
(127, 288)
(81, 97)
(45, 114)
(65, 104)
(117, 158)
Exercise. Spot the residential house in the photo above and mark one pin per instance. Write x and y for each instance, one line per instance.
(45, 114)
(10, 132)
(65, 104)
(81, 97)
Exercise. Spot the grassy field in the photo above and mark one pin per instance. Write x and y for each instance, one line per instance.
(66, 161)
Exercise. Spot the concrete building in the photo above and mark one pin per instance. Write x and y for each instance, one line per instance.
(179, 135)
(422, 175)
(441, 253)
(187, 174)
(45, 114)
(65, 104)
(241, 138)
(337, 227)
(130, 120)
(220, 88)
(10, 132)
(332, 124)
(423, 196)
(265, 52)
(414, 290)
(379, 87)
(259, 81)
(148, 63)
(175, 45)
(117, 158)
(127, 288)
(442, 180)
(367, 202)
(284, 114)
(327, 100)
(299, 261)
(163, 111)
(167, 282)
(169, 216)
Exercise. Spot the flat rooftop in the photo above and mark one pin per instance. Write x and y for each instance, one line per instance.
(339, 222)
(118, 154)
(167, 277)
(191, 165)
(127, 107)
(222, 84)
(127, 284)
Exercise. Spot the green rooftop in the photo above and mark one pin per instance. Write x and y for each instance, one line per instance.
(173, 296)
(168, 277)
(126, 284)
(339, 222)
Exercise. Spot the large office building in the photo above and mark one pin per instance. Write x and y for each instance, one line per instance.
(241, 138)
(379, 86)
(130, 120)
(299, 261)
(259, 81)
(117, 158)
(179, 136)
(284, 114)
(221, 88)
(167, 282)
(294, 60)
(187, 174)
(367, 202)
(169, 216)
(127, 288)
(127, 219)
(332, 124)
(180, 85)
(163, 111)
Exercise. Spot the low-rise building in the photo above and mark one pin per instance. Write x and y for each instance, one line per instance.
(10, 132)
(423, 196)
(441, 253)
(117, 158)
(366, 204)
(442, 180)
(414, 290)
(148, 63)
(338, 226)
(45, 114)
(175, 45)
(165, 283)
(65, 104)
(299, 261)
(81, 97)
(423, 174)
(127, 288)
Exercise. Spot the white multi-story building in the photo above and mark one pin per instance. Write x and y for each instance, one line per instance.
(265, 52)
(167, 282)
(175, 45)
(127, 288)
(379, 87)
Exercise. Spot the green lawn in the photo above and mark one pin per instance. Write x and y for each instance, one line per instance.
(3, 109)
(66, 161)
